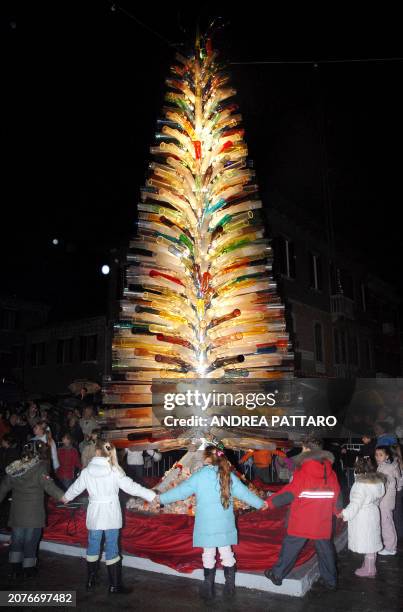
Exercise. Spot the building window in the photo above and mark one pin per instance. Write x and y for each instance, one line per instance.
(336, 339)
(318, 342)
(64, 350)
(38, 354)
(315, 272)
(285, 256)
(9, 319)
(88, 348)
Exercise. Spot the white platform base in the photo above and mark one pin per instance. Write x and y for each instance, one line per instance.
(297, 584)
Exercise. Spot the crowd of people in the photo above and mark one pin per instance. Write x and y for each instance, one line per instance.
(70, 435)
(64, 454)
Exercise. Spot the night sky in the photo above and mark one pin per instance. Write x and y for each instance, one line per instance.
(83, 86)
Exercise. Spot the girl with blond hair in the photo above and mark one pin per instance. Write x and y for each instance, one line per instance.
(103, 478)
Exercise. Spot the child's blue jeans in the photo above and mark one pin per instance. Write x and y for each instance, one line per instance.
(111, 545)
(24, 545)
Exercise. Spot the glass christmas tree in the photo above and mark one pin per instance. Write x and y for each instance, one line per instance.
(200, 300)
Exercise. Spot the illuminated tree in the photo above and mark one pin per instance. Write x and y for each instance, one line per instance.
(199, 300)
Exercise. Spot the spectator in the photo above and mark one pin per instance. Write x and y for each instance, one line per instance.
(87, 447)
(398, 511)
(69, 460)
(368, 447)
(135, 464)
(262, 461)
(32, 414)
(19, 428)
(385, 436)
(152, 456)
(42, 432)
(74, 429)
(388, 467)
(4, 425)
(85, 398)
(350, 456)
(88, 421)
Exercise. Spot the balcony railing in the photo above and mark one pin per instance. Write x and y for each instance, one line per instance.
(341, 307)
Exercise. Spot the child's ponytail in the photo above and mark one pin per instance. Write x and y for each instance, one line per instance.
(108, 450)
(218, 458)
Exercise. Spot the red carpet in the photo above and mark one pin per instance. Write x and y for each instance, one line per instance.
(167, 538)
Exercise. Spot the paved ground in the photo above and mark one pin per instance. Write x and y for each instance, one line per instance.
(158, 593)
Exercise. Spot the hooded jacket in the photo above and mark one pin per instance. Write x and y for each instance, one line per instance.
(28, 481)
(214, 525)
(362, 513)
(314, 495)
(103, 482)
(392, 474)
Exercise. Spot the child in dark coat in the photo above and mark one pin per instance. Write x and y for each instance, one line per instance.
(29, 480)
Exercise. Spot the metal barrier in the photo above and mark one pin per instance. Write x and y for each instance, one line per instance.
(158, 468)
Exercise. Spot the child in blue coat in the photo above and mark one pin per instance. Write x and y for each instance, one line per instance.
(214, 486)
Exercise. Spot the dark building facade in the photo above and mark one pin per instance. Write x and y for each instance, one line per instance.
(17, 318)
(343, 321)
(58, 354)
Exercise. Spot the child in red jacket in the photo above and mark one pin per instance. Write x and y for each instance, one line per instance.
(314, 495)
(69, 460)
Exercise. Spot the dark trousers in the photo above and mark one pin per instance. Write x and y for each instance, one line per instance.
(290, 550)
(24, 545)
(136, 473)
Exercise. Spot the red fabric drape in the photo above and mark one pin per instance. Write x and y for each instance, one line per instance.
(167, 538)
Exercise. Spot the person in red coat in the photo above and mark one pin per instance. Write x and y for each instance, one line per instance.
(69, 460)
(314, 497)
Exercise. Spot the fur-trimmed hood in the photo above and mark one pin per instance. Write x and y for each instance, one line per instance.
(314, 455)
(316, 465)
(370, 478)
(19, 468)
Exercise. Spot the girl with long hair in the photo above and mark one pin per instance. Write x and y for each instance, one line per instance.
(103, 478)
(214, 486)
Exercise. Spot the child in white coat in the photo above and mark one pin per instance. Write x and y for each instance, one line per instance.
(363, 516)
(103, 478)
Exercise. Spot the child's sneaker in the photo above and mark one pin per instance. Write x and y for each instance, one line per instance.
(384, 551)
